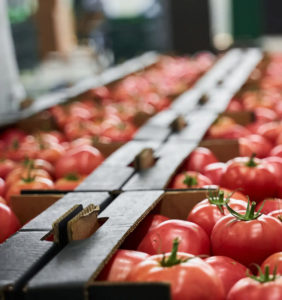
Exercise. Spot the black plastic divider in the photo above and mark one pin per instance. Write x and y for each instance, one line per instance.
(45, 220)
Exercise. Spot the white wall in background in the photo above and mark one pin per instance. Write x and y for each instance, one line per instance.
(11, 90)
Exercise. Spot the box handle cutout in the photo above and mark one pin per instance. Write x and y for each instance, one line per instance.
(203, 100)
(178, 124)
(144, 160)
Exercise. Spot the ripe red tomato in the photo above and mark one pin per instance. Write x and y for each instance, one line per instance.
(69, 182)
(189, 277)
(274, 261)
(199, 158)
(193, 239)
(6, 166)
(228, 270)
(51, 152)
(254, 143)
(2, 200)
(31, 183)
(270, 131)
(234, 194)
(257, 289)
(207, 212)
(276, 151)
(121, 264)
(122, 132)
(276, 214)
(248, 238)
(9, 223)
(82, 160)
(150, 222)
(263, 114)
(190, 180)
(252, 176)
(11, 135)
(214, 172)
(269, 205)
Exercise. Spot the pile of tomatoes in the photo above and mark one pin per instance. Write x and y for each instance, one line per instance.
(61, 159)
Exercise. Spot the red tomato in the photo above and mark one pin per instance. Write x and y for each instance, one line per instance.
(252, 176)
(234, 106)
(228, 270)
(68, 183)
(251, 289)
(193, 239)
(199, 158)
(214, 172)
(2, 200)
(121, 264)
(234, 194)
(2, 187)
(33, 183)
(189, 277)
(273, 261)
(189, 180)
(207, 212)
(9, 223)
(11, 135)
(270, 130)
(41, 164)
(82, 160)
(51, 152)
(6, 166)
(264, 114)
(248, 238)
(150, 222)
(269, 205)
(254, 143)
(120, 133)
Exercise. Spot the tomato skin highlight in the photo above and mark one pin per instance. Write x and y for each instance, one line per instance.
(248, 288)
(228, 270)
(214, 172)
(247, 241)
(193, 239)
(121, 264)
(193, 279)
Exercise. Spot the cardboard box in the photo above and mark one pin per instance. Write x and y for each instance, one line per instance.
(74, 270)
(171, 157)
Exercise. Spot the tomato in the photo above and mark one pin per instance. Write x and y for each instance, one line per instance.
(199, 158)
(6, 166)
(270, 131)
(234, 106)
(189, 277)
(254, 143)
(252, 176)
(228, 270)
(265, 287)
(276, 151)
(207, 212)
(248, 238)
(269, 205)
(12, 134)
(40, 164)
(2, 200)
(150, 222)
(273, 261)
(214, 172)
(234, 194)
(30, 183)
(263, 114)
(2, 187)
(9, 223)
(121, 264)
(190, 180)
(50, 152)
(122, 132)
(193, 239)
(82, 160)
(69, 182)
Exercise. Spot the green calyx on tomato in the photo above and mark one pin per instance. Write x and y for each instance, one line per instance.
(172, 260)
(250, 213)
(266, 276)
(28, 163)
(217, 198)
(29, 178)
(190, 181)
(15, 144)
(251, 163)
(71, 177)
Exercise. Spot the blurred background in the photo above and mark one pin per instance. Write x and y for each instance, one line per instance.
(59, 42)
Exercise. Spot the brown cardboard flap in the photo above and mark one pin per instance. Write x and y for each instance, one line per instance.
(83, 224)
(178, 124)
(141, 118)
(242, 117)
(27, 207)
(223, 149)
(108, 148)
(144, 160)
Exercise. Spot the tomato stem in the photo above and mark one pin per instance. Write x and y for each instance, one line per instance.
(190, 181)
(250, 213)
(217, 198)
(172, 260)
(266, 276)
(251, 163)
(71, 177)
